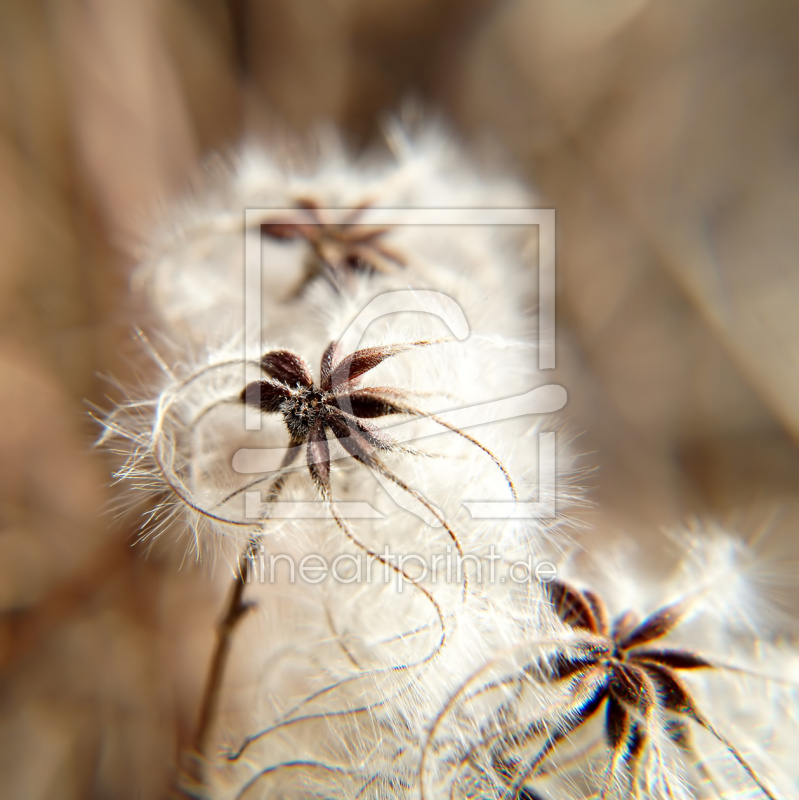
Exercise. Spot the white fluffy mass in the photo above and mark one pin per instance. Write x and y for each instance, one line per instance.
(404, 645)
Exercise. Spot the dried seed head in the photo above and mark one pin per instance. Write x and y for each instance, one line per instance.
(617, 706)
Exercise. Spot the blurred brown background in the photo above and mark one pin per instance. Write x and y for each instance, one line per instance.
(665, 134)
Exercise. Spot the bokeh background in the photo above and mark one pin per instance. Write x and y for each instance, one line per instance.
(666, 135)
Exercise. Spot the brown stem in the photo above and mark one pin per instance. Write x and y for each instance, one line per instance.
(235, 609)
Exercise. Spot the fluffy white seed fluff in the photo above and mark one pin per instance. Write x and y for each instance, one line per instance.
(396, 651)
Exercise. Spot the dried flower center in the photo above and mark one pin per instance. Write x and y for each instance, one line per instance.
(302, 410)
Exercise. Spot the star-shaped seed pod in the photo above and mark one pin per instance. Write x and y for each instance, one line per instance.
(337, 406)
(613, 668)
(339, 249)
